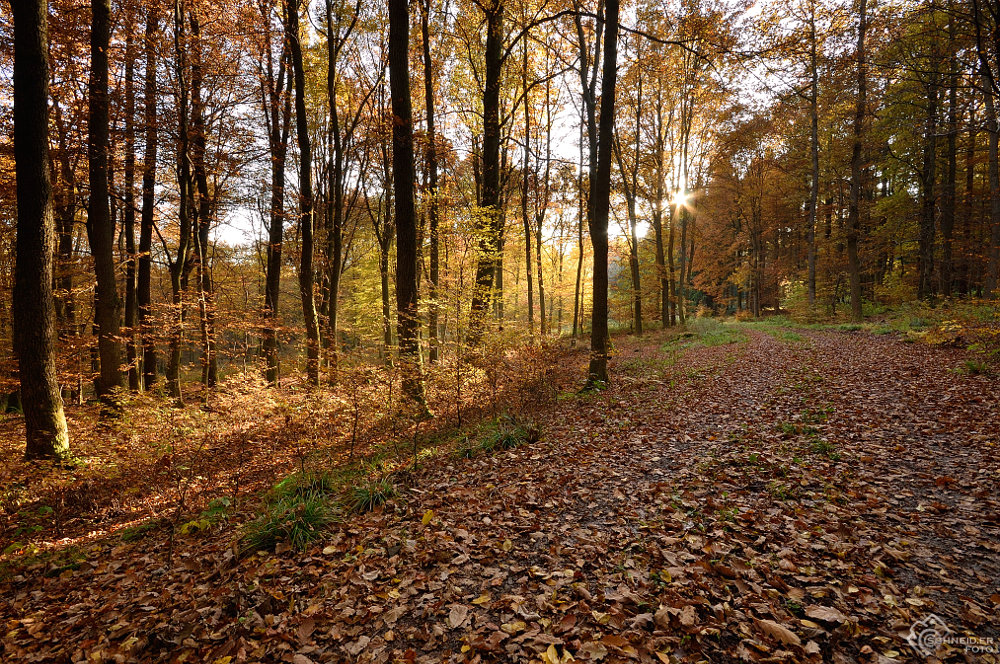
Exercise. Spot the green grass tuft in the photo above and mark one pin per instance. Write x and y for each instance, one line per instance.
(372, 494)
(297, 519)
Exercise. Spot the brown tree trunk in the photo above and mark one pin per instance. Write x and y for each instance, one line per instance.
(813, 154)
(597, 372)
(33, 307)
(100, 226)
(128, 221)
(306, 221)
(404, 180)
(279, 111)
(145, 260)
(854, 204)
(490, 222)
(433, 211)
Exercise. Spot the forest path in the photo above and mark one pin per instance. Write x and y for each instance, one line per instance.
(748, 493)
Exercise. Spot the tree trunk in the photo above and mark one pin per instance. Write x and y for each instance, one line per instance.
(854, 204)
(279, 111)
(306, 221)
(925, 255)
(404, 180)
(433, 193)
(179, 266)
(100, 226)
(490, 222)
(814, 155)
(597, 373)
(131, 296)
(948, 195)
(33, 307)
(145, 262)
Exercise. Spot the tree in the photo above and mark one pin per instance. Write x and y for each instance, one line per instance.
(33, 305)
(276, 103)
(854, 211)
(100, 225)
(306, 220)
(404, 179)
(600, 202)
(144, 297)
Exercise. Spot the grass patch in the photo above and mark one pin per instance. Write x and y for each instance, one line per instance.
(297, 520)
(138, 532)
(705, 332)
(296, 512)
(372, 494)
(504, 433)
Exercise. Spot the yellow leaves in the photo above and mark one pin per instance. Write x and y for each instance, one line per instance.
(514, 627)
(552, 656)
(223, 660)
(482, 599)
(428, 515)
(507, 545)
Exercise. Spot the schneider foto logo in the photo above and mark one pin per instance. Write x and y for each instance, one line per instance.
(929, 633)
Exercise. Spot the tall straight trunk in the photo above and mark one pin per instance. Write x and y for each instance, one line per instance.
(65, 300)
(993, 149)
(335, 185)
(948, 194)
(854, 203)
(630, 185)
(671, 269)
(145, 261)
(278, 107)
(433, 211)
(813, 153)
(128, 220)
(404, 181)
(33, 306)
(989, 84)
(541, 204)
(490, 221)
(660, 194)
(306, 221)
(597, 372)
(206, 213)
(581, 216)
(525, 184)
(925, 242)
(179, 266)
(100, 226)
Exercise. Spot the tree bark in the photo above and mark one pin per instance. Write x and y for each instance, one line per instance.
(278, 108)
(433, 212)
(490, 221)
(145, 260)
(128, 221)
(33, 307)
(100, 226)
(597, 372)
(854, 204)
(306, 221)
(813, 154)
(404, 180)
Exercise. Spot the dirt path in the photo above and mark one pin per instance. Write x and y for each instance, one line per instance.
(792, 496)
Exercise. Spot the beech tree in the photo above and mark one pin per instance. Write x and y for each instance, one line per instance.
(33, 307)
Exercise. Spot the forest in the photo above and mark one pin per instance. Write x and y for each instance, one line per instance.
(499, 331)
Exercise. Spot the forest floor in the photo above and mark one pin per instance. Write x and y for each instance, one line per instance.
(741, 492)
